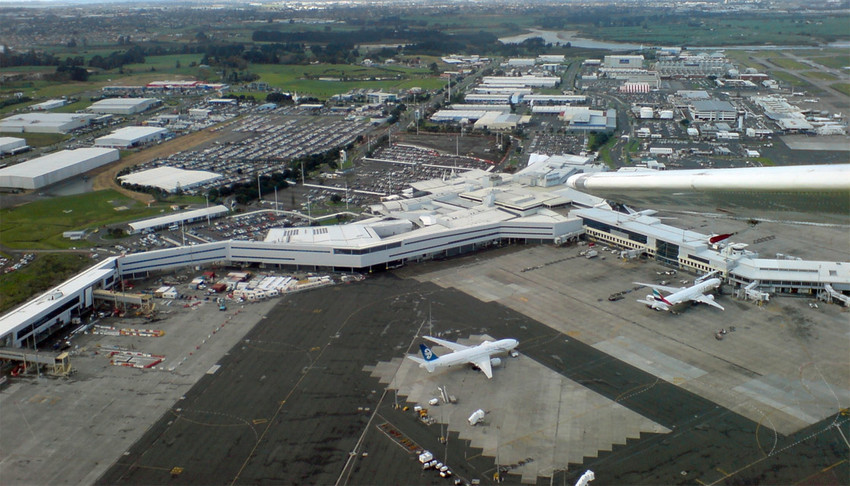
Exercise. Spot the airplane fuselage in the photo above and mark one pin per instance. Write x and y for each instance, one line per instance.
(485, 349)
(696, 293)
(689, 293)
(479, 356)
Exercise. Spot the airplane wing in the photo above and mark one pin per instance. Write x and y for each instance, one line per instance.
(483, 364)
(447, 344)
(703, 299)
(660, 287)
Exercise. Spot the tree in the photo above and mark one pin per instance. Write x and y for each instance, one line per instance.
(278, 98)
(435, 69)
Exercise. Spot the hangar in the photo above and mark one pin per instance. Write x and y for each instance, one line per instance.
(45, 122)
(170, 178)
(58, 166)
(131, 137)
(123, 106)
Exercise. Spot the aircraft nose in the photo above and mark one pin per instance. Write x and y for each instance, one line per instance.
(514, 343)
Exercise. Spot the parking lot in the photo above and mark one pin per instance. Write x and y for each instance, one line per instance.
(262, 143)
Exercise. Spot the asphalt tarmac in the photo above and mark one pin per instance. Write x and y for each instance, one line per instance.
(291, 404)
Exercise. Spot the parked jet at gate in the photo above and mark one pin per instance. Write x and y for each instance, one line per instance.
(480, 356)
(680, 295)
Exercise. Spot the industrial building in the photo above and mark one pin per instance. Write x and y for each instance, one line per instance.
(623, 62)
(629, 87)
(542, 99)
(488, 99)
(174, 219)
(128, 137)
(12, 145)
(713, 110)
(170, 179)
(517, 92)
(500, 121)
(521, 81)
(48, 105)
(550, 58)
(56, 167)
(499, 108)
(380, 97)
(460, 116)
(123, 106)
(521, 62)
(585, 119)
(45, 122)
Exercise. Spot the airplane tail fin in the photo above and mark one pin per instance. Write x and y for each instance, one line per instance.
(427, 354)
(660, 297)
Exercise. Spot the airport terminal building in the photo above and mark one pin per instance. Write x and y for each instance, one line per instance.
(473, 211)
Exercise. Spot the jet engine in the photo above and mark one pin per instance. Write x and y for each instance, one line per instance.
(494, 362)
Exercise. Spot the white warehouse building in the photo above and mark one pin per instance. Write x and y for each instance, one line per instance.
(44, 122)
(131, 137)
(123, 106)
(56, 167)
(521, 81)
(170, 178)
(10, 145)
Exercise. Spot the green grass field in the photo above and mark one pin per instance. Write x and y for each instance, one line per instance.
(304, 79)
(43, 139)
(838, 61)
(786, 63)
(167, 64)
(44, 272)
(73, 107)
(134, 74)
(790, 78)
(40, 224)
(843, 87)
(820, 75)
(498, 24)
(744, 59)
(786, 30)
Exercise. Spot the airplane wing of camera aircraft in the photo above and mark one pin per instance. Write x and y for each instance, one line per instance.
(679, 295)
(480, 356)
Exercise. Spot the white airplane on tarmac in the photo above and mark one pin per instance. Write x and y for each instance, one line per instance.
(480, 356)
(680, 295)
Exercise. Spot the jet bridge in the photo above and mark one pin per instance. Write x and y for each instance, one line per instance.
(57, 365)
(829, 294)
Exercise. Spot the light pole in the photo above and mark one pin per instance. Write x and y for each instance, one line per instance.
(207, 197)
